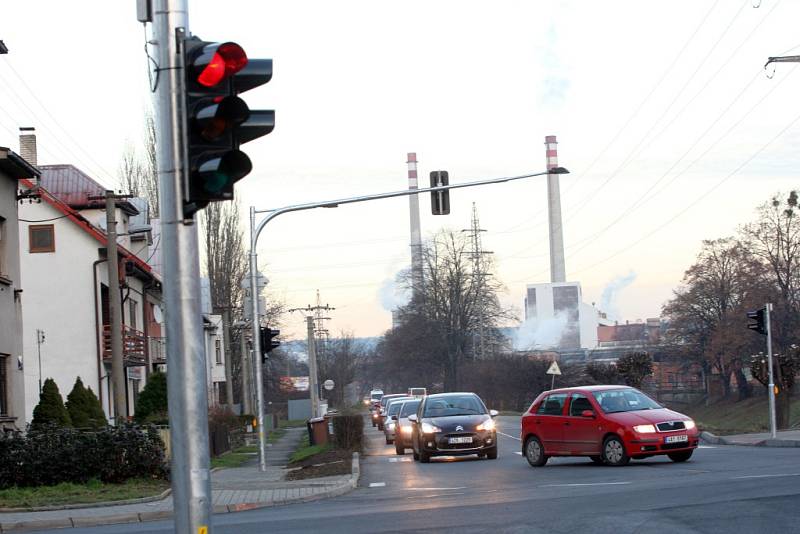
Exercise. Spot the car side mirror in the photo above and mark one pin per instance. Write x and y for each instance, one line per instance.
(494, 413)
(394, 418)
(412, 418)
(587, 413)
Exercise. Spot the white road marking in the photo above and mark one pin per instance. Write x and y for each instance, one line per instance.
(705, 447)
(406, 459)
(377, 484)
(769, 476)
(436, 489)
(517, 452)
(508, 435)
(587, 484)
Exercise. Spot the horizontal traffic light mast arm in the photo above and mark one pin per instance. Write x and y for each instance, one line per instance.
(272, 213)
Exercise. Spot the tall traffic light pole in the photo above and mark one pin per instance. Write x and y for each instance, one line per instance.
(186, 378)
(772, 424)
(763, 326)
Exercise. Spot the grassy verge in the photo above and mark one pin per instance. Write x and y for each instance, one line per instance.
(90, 492)
(731, 417)
(305, 450)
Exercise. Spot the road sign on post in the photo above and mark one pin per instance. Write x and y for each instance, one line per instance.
(328, 384)
(553, 370)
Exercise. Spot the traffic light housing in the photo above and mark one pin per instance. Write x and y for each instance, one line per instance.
(217, 120)
(758, 321)
(440, 200)
(267, 343)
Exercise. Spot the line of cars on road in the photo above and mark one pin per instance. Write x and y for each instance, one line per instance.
(608, 424)
(450, 424)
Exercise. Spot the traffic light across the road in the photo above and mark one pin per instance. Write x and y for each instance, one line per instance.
(267, 341)
(218, 121)
(758, 321)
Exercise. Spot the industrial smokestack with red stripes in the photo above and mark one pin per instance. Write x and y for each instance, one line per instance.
(557, 268)
(416, 233)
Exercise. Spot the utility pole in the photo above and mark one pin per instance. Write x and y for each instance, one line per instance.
(314, 313)
(118, 377)
(186, 379)
(247, 396)
(478, 274)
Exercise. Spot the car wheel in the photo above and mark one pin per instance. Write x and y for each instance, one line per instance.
(415, 454)
(597, 459)
(374, 424)
(389, 441)
(614, 452)
(399, 449)
(492, 454)
(424, 457)
(481, 455)
(534, 452)
(380, 427)
(680, 456)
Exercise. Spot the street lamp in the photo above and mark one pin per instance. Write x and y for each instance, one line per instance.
(255, 232)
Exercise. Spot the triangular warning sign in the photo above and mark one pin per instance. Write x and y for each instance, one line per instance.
(553, 369)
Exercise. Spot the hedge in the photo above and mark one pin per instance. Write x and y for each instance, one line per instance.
(52, 455)
(348, 431)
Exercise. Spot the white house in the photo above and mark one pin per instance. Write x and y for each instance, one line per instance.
(64, 272)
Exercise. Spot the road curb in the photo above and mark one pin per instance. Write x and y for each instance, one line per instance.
(142, 500)
(769, 442)
(335, 490)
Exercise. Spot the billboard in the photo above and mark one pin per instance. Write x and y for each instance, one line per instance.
(294, 383)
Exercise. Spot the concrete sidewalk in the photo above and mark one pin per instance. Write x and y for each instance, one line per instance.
(234, 489)
(785, 438)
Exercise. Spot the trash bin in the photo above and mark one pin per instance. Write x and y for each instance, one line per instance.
(318, 431)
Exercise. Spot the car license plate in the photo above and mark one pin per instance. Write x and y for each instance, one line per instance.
(676, 439)
(464, 439)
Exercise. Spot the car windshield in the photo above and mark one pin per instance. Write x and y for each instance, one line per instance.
(394, 408)
(624, 400)
(409, 408)
(376, 396)
(453, 405)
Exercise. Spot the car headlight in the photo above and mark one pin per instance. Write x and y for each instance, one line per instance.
(644, 429)
(406, 429)
(689, 424)
(428, 428)
(486, 425)
(391, 426)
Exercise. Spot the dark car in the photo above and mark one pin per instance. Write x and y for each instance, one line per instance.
(609, 424)
(453, 424)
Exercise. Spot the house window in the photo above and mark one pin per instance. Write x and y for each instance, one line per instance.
(3, 385)
(218, 350)
(42, 238)
(132, 313)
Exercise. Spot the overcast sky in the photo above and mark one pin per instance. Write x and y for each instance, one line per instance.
(664, 115)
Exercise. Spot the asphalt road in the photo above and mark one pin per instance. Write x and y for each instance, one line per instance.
(721, 489)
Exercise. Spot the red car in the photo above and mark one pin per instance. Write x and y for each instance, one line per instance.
(609, 424)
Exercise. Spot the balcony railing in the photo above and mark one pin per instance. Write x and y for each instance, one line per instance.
(133, 345)
(158, 350)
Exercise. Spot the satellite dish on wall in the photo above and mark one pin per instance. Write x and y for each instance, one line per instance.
(157, 314)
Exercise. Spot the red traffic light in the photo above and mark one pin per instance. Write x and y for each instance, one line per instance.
(219, 61)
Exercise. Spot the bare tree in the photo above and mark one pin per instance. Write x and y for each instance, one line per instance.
(340, 362)
(455, 302)
(138, 172)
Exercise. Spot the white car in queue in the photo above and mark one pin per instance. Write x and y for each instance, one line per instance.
(403, 430)
(390, 417)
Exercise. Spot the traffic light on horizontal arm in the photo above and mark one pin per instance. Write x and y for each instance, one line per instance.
(218, 121)
(440, 200)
